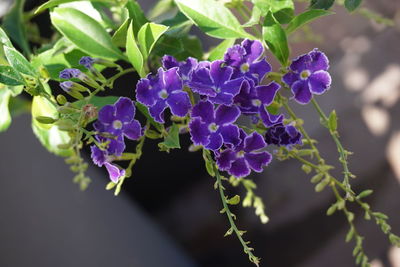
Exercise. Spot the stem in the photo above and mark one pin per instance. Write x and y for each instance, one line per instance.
(230, 216)
(335, 137)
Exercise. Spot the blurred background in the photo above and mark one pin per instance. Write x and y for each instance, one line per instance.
(168, 214)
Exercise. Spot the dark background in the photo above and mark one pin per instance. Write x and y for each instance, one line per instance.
(168, 214)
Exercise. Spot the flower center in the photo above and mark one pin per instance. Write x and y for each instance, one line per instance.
(163, 94)
(240, 154)
(213, 127)
(244, 67)
(117, 124)
(256, 102)
(305, 74)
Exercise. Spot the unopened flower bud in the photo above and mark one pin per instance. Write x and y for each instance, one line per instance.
(45, 120)
(61, 99)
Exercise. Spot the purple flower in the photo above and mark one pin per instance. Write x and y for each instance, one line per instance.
(283, 135)
(185, 68)
(245, 59)
(253, 98)
(213, 128)
(98, 156)
(115, 144)
(114, 172)
(240, 160)
(161, 91)
(70, 73)
(215, 82)
(118, 120)
(308, 75)
(87, 62)
(66, 86)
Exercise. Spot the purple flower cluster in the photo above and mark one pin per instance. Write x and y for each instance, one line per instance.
(114, 123)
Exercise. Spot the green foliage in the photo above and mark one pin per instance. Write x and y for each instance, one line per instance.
(148, 35)
(275, 37)
(5, 116)
(321, 4)
(19, 62)
(332, 121)
(304, 18)
(283, 10)
(219, 51)
(133, 52)
(352, 5)
(85, 32)
(213, 18)
(119, 37)
(136, 15)
(171, 141)
(54, 3)
(8, 76)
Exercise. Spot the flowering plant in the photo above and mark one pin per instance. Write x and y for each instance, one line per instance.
(235, 107)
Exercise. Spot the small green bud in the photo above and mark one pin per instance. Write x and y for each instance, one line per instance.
(234, 200)
(321, 185)
(350, 235)
(65, 125)
(331, 210)
(306, 168)
(67, 110)
(152, 134)
(365, 193)
(316, 178)
(61, 99)
(332, 121)
(45, 120)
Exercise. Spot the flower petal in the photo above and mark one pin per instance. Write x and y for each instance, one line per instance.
(114, 172)
(232, 87)
(199, 132)
(220, 75)
(224, 159)
(172, 80)
(301, 63)
(157, 111)
(254, 49)
(230, 134)
(253, 142)
(256, 161)
(116, 146)
(301, 91)
(319, 61)
(234, 56)
(222, 98)
(319, 82)
(259, 69)
(290, 78)
(266, 93)
(204, 110)
(107, 114)
(179, 103)
(201, 82)
(239, 168)
(215, 141)
(169, 62)
(145, 93)
(269, 119)
(226, 114)
(125, 110)
(98, 156)
(133, 130)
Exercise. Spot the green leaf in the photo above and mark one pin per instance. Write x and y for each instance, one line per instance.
(19, 62)
(321, 4)
(119, 37)
(192, 47)
(161, 8)
(219, 51)
(133, 52)
(283, 10)
(136, 14)
(351, 5)
(171, 141)
(255, 17)
(49, 135)
(5, 116)
(276, 39)
(98, 101)
(54, 3)
(332, 121)
(10, 77)
(179, 26)
(305, 18)
(86, 33)
(14, 25)
(213, 18)
(148, 36)
(4, 38)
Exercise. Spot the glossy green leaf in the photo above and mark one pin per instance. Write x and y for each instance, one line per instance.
(179, 26)
(213, 18)
(119, 37)
(5, 116)
(54, 3)
(148, 36)
(276, 39)
(4, 38)
(255, 17)
(219, 51)
(133, 52)
(14, 25)
(137, 15)
(86, 33)
(283, 10)
(171, 141)
(192, 47)
(351, 5)
(49, 135)
(161, 8)
(321, 4)
(10, 77)
(19, 62)
(169, 46)
(305, 18)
